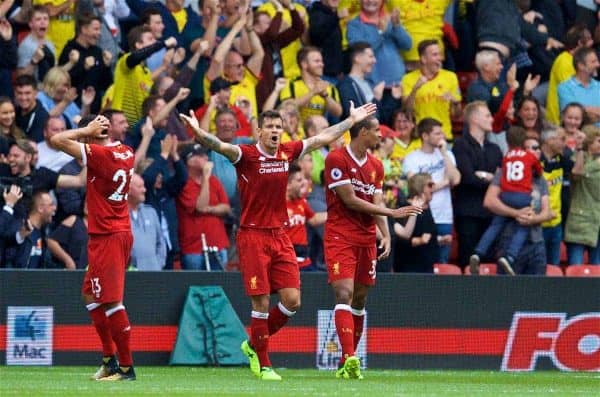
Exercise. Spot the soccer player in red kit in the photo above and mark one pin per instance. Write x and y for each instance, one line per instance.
(355, 207)
(299, 214)
(519, 167)
(267, 258)
(109, 171)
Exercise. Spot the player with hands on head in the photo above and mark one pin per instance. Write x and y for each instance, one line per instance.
(267, 259)
(110, 167)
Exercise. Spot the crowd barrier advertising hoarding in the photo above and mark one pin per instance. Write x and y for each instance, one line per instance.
(415, 321)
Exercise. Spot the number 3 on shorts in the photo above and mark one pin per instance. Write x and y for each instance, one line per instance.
(373, 271)
(96, 288)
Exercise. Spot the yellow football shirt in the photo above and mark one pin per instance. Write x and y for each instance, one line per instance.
(317, 104)
(61, 28)
(180, 19)
(423, 20)
(130, 88)
(562, 70)
(245, 89)
(429, 100)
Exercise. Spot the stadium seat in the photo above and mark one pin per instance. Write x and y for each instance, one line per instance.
(583, 271)
(554, 271)
(485, 269)
(446, 269)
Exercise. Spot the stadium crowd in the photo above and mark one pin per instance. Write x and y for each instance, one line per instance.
(465, 92)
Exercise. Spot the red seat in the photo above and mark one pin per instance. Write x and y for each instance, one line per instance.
(554, 271)
(583, 271)
(446, 269)
(485, 269)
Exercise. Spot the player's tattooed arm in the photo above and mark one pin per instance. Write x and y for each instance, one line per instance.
(232, 152)
(331, 134)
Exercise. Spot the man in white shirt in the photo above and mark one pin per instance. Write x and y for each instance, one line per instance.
(48, 156)
(435, 159)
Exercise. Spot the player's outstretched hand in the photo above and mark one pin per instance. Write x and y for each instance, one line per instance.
(193, 123)
(409, 210)
(362, 112)
(97, 127)
(386, 246)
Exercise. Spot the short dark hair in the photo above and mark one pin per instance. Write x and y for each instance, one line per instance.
(149, 103)
(36, 199)
(427, 125)
(423, 45)
(109, 113)
(574, 36)
(358, 48)
(85, 120)
(304, 51)
(135, 35)
(148, 12)
(268, 114)
(363, 124)
(516, 136)
(85, 19)
(580, 54)
(26, 79)
(42, 9)
(294, 168)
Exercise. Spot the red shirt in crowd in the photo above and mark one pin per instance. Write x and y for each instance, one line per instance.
(366, 177)
(262, 182)
(109, 171)
(193, 223)
(298, 212)
(518, 169)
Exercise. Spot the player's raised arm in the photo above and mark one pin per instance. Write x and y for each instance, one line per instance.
(67, 141)
(232, 152)
(332, 133)
(355, 203)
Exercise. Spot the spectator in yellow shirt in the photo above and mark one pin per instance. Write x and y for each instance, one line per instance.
(431, 91)
(563, 69)
(313, 95)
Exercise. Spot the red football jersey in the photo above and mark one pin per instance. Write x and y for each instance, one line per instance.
(262, 182)
(518, 168)
(109, 171)
(298, 212)
(366, 177)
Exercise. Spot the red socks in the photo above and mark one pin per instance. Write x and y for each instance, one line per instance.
(259, 337)
(121, 332)
(344, 325)
(278, 317)
(358, 317)
(102, 326)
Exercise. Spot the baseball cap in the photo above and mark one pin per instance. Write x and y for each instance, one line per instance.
(193, 150)
(218, 84)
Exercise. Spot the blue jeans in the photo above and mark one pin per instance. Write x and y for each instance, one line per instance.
(442, 230)
(575, 253)
(552, 238)
(218, 260)
(515, 200)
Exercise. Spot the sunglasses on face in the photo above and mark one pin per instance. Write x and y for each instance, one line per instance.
(536, 147)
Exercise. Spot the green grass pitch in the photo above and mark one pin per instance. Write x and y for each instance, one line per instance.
(196, 381)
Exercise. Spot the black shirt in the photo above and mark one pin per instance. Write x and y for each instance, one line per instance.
(470, 157)
(38, 180)
(32, 123)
